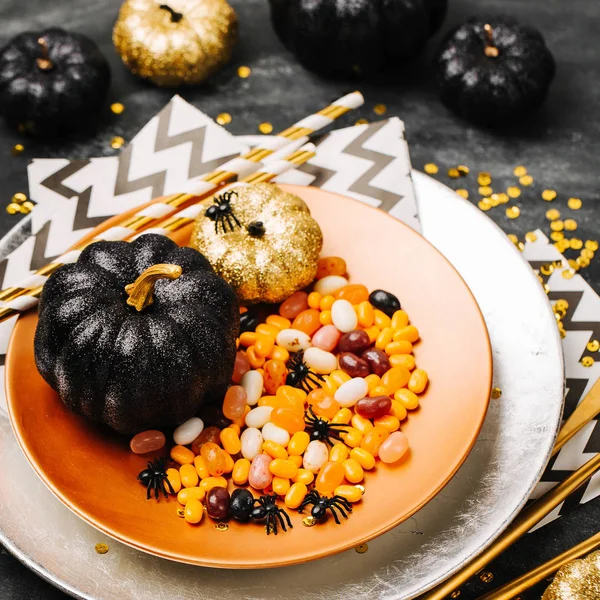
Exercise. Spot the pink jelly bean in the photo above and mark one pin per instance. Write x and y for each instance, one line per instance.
(260, 477)
(326, 338)
(393, 448)
(147, 441)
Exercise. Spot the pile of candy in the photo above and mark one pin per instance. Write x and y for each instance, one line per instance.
(319, 391)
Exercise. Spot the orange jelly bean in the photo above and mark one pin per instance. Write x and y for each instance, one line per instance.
(331, 265)
(214, 459)
(174, 479)
(241, 470)
(188, 476)
(365, 314)
(288, 419)
(307, 321)
(326, 302)
(264, 345)
(182, 455)
(409, 333)
(418, 381)
(201, 467)
(395, 378)
(326, 406)
(248, 338)
(403, 360)
(230, 440)
(293, 397)
(355, 293)
(279, 353)
(330, 476)
(294, 305)
(275, 374)
(325, 318)
(234, 403)
(373, 440)
(269, 330)
(256, 361)
(279, 322)
(314, 300)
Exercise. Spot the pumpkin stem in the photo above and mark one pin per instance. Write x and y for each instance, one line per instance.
(44, 63)
(490, 50)
(175, 16)
(141, 291)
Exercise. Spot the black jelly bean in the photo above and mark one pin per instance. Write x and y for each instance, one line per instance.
(217, 504)
(384, 301)
(241, 504)
(248, 321)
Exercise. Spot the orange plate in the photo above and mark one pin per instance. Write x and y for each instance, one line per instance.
(94, 472)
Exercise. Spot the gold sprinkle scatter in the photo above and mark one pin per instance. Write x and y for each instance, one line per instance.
(361, 488)
(309, 521)
(593, 346)
(455, 594)
(19, 197)
(431, 168)
(362, 548)
(513, 238)
(380, 109)
(462, 192)
(484, 178)
(101, 548)
(552, 214)
(18, 149)
(453, 173)
(573, 264)
(526, 180)
(557, 235)
(221, 526)
(484, 205)
(582, 261)
(503, 198)
(485, 190)
(547, 269)
(223, 119)
(496, 393)
(486, 576)
(570, 225)
(586, 253)
(244, 72)
(117, 142)
(117, 108)
(548, 195)
(562, 332)
(363, 121)
(576, 243)
(463, 170)
(512, 212)
(574, 203)
(562, 245)
(27, 207)
(521, 246)
(530, 236)
(265, 127)
(13, 208)
(493, 200)
(561, 304)
(568, 274)
(587, 361)
(520, 171)
(557, 225)
(557, 265)
(513, 192)
(591, 245)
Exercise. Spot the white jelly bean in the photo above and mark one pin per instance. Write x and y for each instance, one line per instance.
(315, 456)
(274, 433)
(350, 392)
(293, 340)
(343, 316)
(252, 441)
(320, 361)
(330, 284)
(259, 416)
(187, 432)
(252, 382)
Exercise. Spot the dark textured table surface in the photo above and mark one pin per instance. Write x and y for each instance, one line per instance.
(559, 146)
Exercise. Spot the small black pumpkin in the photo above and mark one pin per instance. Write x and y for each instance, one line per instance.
(493, 71)
(137, 335)
(52, 82)
(355, 37)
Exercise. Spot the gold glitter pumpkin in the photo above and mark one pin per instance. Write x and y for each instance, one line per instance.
(578, 580)
(177, 41)
(261, 240)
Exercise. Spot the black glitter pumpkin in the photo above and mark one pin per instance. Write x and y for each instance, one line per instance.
(147, 365)
(493, 71)
(52, 82)
(357, 37)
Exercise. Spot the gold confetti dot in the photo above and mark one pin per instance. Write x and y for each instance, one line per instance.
(265, 127)
(181, 512)
(484, 178)
(431, 168)
(513, 238)
(570, 224)
(552, 214)
(557, 225)
(587, 361)
(591, 245)
(548, 195)
(363, 121)
(101, 548)
(562, 245)
(593, 346)
(486, 576)
(463, 170)
(557, 235)
(221, 526)
(244, 72)
(380, 109)
(453, 173)
(223, 118)
(484, 205)
(513, 191)
(503, 198)
(512, 212)
(520, 171)
(493, 200)
(362, 548)
(496, 393)
(526, 180)
(568, 274)
(13, 208)
(117, 108)
(19, 197)
(485, 190)
(573, 264)
(27, 207)
(462, 192)
(530, 236)
(309, 521)
(547, 269)
(117, 142)
(521, 246)
(582, 262)
(18, 149)
(576, 243)
(574, 203)
(561, 304)
(455, 594)
(587, 253)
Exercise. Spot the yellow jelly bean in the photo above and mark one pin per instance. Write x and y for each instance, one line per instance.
(193, 512)
(349, 492)
(295, 495)
(381, 319)
(279, 353)
(189, 476)
(372, 332)
(187, 494)
(373, 440)
(274, 450)
(326, 302)
(235, 428)
(361, 424)
(229, 462)
(384, 338)
(395, 378)
(388, 422)
(352, 437)
(297, 460)
(201, 467)
(314, 301)
(342, 416)
(247, 339)
(174, 479)
(338, 453)
(279, 322)
(408, 399)
(240, 472)
(270, 330)
(304, 476)
(283, 468)
(418, 381)
(365, 459)
(353, 471)
(297, 444)
(399, 347)
(280, 485)
(329, 385)
(182, 455)
(210, 482)
(399, 320)
(403, 360)
(409, 333)
(325, 318)
(338, 376)
(372, 381)
(398, 410)
(230, 440)
(365, 314)
(379, 390)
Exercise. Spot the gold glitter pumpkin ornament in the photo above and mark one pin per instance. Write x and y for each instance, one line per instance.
(175, 42)
(577, 580)
(261, 240)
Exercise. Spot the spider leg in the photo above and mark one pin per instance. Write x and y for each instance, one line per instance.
(236, 220)
(333, 512)
(287, 518)
(149, 490)
(217, 224)
(229, 222)
(155, 484)
(166, 480)
(270, 524)
(340, 508)
(339, 500)
(281, 521)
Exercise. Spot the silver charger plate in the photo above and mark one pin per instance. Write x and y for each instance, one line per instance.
(465, 517)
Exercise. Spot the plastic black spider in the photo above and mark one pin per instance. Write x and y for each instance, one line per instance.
(300, 376)
(222, 213)
(322, 430)
(322, 503)
(267, 509)
(155, 478)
